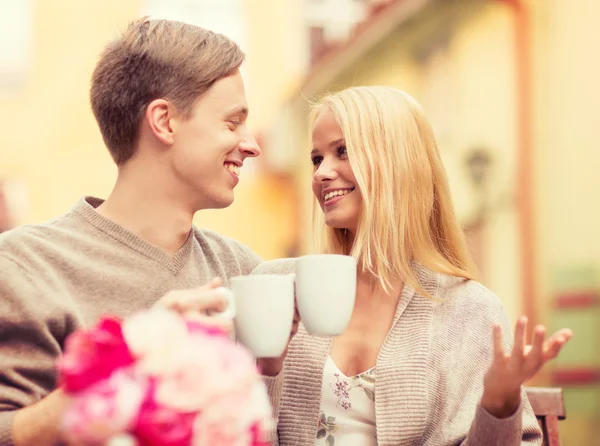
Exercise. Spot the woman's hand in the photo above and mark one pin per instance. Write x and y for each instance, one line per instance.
(503, 380)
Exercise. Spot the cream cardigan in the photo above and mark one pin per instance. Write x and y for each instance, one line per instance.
(429, 371)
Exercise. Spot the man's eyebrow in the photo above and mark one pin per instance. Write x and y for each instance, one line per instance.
(239, 110)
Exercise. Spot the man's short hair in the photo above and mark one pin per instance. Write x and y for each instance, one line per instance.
(155, 59)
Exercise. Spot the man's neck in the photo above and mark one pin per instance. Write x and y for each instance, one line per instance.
(149, 213)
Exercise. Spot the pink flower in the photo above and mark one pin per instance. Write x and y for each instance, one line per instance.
(107, 408)
(235, 419)
(92, 355)
(159, 425)
(203, 369)
(259, 435)
(164, 381)
(153, 337)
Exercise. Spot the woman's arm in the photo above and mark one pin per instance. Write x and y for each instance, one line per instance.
(500, 413)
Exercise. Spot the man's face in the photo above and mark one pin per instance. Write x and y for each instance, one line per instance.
(211, 145)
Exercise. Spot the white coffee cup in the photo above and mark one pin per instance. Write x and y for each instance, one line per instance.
(325, 291)
(264, 312)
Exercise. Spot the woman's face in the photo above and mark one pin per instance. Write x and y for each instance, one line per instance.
(334, 183)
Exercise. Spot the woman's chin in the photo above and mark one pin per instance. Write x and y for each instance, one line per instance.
(338, 225)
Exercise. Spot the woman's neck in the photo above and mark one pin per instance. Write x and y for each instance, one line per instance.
(369, 286)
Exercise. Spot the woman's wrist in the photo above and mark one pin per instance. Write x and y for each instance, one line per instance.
(270, 366)
(501, 405)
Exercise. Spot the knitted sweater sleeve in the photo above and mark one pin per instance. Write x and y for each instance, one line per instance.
(521, 428)
(28, 345)
(457, 386)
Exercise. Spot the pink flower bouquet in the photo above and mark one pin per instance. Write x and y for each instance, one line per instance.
(156, 379)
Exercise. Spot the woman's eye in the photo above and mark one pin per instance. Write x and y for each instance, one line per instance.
(342, 152)
(316, 160)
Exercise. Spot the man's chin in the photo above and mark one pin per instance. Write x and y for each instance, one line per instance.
(222, 202)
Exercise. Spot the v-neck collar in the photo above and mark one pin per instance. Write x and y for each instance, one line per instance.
(86, 209)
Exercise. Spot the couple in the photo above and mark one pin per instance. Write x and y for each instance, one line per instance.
(170, 103)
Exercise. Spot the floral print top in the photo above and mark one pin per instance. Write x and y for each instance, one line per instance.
(347, 415)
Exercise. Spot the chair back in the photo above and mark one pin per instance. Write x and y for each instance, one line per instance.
(549, 407)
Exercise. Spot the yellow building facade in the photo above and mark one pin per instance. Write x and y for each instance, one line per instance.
(52, 152)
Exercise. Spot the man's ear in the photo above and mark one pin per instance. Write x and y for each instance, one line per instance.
(158, 116)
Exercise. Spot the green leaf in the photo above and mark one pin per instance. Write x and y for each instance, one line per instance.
(323, 419)
(370, 394)
(330, 440)
(330, 420)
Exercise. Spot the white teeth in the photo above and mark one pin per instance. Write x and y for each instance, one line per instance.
(329, 195)
(233, 168)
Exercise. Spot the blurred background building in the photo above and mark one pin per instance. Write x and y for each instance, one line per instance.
(511, 87)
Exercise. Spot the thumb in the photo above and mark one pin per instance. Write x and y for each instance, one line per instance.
(215, 282)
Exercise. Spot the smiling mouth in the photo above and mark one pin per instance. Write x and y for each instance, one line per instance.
(233, 168)
(329, 196)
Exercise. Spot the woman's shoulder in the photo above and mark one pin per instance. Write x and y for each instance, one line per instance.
(468, 300)
(276, 266)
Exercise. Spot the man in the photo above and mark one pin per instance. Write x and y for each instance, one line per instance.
(170, 104)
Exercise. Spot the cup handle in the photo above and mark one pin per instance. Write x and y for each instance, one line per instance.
(230, 311)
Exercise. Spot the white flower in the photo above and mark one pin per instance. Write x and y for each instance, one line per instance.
(122, 440)
(152, 337)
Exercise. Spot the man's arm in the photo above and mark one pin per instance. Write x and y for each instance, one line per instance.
(30, 321)
(39, 424)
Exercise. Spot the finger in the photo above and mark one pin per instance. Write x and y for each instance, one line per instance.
(555, 344)
(539, 335)
(215, 282)
(225, 325)
(535, 353)
(497, 339)
(201, 301)
(552, 349)
(565, 333)
(519, 344)
(177, 295)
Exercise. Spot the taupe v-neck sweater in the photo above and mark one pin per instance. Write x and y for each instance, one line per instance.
(58, 276)
(429, 371)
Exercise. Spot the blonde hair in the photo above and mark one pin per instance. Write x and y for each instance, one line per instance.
(407, 211)
(155, 59)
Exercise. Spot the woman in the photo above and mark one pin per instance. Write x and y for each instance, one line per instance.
(425, 358)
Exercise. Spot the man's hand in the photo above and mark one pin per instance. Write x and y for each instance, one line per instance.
(39, 424)
(201, 304)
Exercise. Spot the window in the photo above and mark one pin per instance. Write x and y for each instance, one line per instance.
(223, 16)
(16, 29)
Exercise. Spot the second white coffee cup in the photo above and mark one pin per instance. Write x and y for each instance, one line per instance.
(325, 291)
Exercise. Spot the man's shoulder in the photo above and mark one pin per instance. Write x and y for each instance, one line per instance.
(19, 244)
(227, 249)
